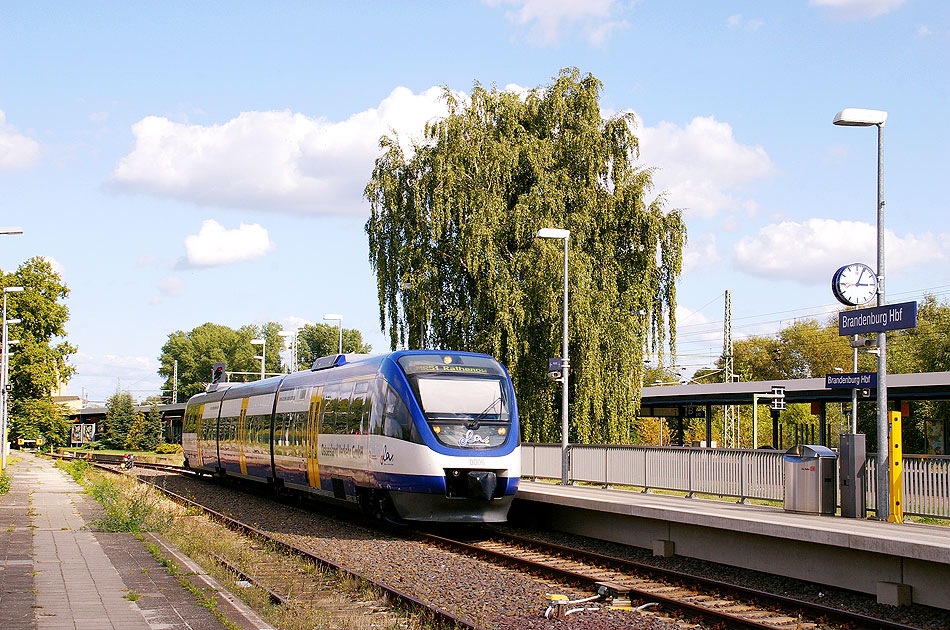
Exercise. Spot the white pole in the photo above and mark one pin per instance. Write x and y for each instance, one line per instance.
(565, 367)
(3, 389)
(883, 476)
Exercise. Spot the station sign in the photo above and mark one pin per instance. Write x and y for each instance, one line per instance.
(878, 319)
(853, 380)
(555, 364)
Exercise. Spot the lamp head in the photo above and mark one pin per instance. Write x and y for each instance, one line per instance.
(12, 289)
(857, 117)
(333, 317)
(553, 233)
(257, 342)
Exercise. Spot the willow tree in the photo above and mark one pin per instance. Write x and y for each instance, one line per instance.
(452, 238)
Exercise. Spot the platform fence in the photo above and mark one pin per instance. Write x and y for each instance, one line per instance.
(740, 473)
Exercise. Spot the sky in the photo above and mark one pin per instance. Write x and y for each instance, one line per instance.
(185, 162)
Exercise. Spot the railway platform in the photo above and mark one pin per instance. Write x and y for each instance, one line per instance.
(898, 563)
(56, 572)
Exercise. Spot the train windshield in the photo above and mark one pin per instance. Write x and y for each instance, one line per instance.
(464, 398)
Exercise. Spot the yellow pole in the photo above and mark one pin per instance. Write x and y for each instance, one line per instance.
(896, 469)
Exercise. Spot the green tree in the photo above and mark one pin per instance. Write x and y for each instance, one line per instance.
(136, 434)
(200, 348)
(39, 361)
(146, 430)
(452, 240)
(153, 429)
(320, 340)
(36, 417)
(120, 416)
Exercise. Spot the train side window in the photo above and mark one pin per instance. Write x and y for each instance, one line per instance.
(377, 406)
(361, 402)
(328, 417)
(396, 420)
(343, 415)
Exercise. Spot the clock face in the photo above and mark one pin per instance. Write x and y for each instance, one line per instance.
(854, 284)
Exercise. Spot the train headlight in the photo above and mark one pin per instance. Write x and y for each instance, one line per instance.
(502, 430)
(437, 430)
(447, 360)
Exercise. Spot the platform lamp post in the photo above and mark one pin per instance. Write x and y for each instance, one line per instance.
(292, 336)
(565, 363)
(4, 377)
(854, 117)
(263, 344)
(336, 317)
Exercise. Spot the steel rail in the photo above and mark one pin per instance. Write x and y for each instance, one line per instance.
(810, 609)
(442, 617)
(275, 597)
(709, 615)
(806, 608)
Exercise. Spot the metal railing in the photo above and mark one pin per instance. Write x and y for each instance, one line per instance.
(741, 473)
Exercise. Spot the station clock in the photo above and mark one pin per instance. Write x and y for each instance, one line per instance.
(854, 284)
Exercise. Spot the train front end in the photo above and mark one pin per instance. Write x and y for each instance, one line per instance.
(465, 417)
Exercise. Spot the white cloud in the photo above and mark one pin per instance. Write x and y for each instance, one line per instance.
(57, 266)
(701, 253)
(171, 286)
(100, 375)
(808, 252)
(292, 322)
(272, 161)
(738, 21)
(214, 245)
(702, 166)
(923, 31)
(16, 150)
(547, 21)
(859, 9)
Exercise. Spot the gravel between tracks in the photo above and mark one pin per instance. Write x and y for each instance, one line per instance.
(496, 598)
(492, 598)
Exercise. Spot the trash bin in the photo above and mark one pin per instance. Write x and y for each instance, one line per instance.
(810, 479)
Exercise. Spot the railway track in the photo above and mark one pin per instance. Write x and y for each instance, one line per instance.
(282, 580)
(676, 595)
(631, 584)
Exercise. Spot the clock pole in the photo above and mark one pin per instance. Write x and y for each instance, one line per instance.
(856, 117)
(883, 426)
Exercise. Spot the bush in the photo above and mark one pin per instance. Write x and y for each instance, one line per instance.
(168, 449)
(5, 482)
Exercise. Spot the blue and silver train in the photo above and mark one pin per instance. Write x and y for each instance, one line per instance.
(429, 435)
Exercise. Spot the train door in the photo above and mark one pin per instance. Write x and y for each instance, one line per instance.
(313, 436)
(242, 436)
(208, 435)
(198, 421)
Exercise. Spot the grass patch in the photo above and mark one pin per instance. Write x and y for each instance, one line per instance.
(130, 506)
(76, 468)
(5, 483)
(132, 596)
(323, 599)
